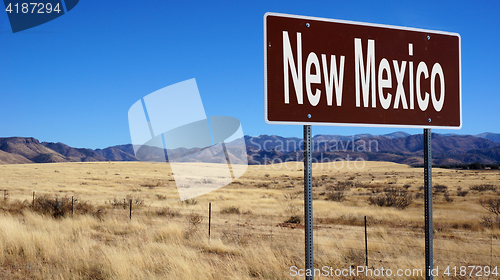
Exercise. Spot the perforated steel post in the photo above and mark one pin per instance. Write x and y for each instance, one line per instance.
(428, 203)
(308, 207)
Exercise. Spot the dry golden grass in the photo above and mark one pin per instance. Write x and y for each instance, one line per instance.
(167, 239)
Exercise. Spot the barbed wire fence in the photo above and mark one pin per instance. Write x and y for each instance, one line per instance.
(378, 245)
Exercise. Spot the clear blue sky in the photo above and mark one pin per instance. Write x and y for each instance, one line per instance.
(73, 79)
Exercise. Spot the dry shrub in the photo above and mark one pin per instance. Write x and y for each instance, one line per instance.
(351, 220)
(264, 185)
(491, 204)
(355, 257)
(116, 203)
(337, 193)
(462, 193)
(194, 220)
(342, 186)
(14, 206)
(137, 201)
(438, 188)
(161, 196)
(490, 222)
(125, 203)
(55, 207)
(468, 225)
(60, 207)
(338, 196)
(374, 187)
(290, 206)
(392, 197)
(149, 186)
(190, 201)
(168, 212)
(229, 236)
(99, 214)
(447, 197)
(483, 187)
(230, 210)
(295, 219)
(82, 207)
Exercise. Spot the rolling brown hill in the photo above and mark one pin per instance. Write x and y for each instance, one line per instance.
(74, 154)
(30, 149)
(117, 153)
(8, 158)
(440, 144)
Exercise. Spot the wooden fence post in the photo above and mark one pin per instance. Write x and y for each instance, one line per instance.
(209, 218)
(366, 245)
(131, 209)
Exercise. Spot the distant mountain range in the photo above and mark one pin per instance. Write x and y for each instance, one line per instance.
(396, 147)
(400, 147)
(495, 137)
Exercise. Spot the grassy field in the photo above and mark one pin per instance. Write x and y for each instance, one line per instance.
(256, 230)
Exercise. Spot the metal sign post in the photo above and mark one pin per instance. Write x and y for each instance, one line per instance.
(428, 203)
(308, 207)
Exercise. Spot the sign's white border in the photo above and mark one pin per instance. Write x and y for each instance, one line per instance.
(365, 24)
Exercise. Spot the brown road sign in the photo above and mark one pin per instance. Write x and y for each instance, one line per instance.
(331, 72)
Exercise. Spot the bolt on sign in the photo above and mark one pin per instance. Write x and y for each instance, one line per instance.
(332, 72)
